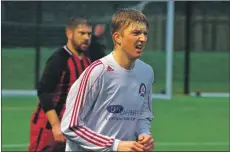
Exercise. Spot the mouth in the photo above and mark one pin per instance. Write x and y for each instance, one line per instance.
(84, 45)
(139, 47)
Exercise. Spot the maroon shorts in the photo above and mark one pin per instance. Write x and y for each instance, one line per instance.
(41, 138)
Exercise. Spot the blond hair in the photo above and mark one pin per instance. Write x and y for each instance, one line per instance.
(125, 17)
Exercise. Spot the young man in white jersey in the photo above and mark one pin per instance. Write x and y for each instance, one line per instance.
(110, 103)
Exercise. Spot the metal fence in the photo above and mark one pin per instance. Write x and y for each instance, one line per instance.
(209, 40)
(210, 26)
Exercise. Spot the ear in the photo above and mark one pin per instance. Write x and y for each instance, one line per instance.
(117, 37)
(69, 33)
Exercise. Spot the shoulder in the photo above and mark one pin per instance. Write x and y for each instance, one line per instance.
(61, 53)
(141, 65)
(96, 67)
(59, 56)
(94, 71)
(145, 68)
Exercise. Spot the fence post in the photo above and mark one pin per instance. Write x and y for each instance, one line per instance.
(187, 46)
(38, 41)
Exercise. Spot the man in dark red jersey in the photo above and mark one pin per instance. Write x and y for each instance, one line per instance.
(62, 69)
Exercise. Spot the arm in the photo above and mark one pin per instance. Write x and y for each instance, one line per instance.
(55, 123)
(46, 87)
(97, 48)
(53, 118)
(144, 123)
(81, 98)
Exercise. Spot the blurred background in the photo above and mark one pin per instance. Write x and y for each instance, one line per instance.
(28, 26)
(31, 31)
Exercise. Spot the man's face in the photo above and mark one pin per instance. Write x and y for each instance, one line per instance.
(134, 38)
(80, 37)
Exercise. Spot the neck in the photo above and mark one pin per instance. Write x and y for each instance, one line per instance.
(73, 50)
(122, 59)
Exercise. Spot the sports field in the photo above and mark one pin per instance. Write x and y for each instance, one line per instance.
(210, 71)
(181, 124)
(184, 123)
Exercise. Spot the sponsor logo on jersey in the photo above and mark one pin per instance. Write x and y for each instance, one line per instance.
(115, 108)
(142, 89)
(120, 113)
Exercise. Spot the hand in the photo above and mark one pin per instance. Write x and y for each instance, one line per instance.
(58, 136)
(130, 146)
(147, 141)
(99, 30)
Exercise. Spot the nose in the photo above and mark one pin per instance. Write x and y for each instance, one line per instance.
(143, 38)
(86, 36)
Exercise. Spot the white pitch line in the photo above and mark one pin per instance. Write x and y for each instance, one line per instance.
(14, 145)
(160, 144)
(192, 144)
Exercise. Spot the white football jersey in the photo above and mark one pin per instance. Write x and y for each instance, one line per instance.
(108, 104)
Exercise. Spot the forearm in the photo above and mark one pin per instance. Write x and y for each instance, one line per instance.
(143, 126)
(90, 140)
(53, 118)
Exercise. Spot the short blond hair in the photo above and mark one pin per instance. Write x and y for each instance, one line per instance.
(126, 16)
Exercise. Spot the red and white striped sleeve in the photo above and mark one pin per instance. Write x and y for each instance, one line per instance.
(81, 97)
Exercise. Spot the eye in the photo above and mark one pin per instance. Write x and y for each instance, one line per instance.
(136, 33)
(82, 33)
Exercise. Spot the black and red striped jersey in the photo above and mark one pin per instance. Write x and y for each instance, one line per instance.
(61, 71)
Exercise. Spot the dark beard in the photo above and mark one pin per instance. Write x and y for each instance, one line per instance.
(77, 48)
